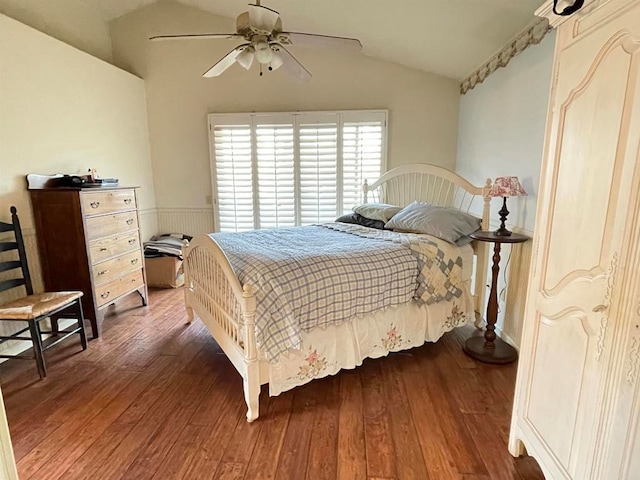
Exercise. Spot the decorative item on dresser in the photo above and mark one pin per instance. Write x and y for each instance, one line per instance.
(577, 397)
(506, 187)
(490, 348)
(89, 240)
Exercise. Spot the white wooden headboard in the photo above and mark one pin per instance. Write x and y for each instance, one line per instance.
(438, 186)
(428, 183)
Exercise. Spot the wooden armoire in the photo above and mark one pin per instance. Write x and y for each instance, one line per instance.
(577, 402)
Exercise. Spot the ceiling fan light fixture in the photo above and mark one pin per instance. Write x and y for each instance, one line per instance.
(276, 61)
(264, 54)
(245, 58)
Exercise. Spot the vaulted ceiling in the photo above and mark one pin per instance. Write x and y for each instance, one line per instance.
(446, 37)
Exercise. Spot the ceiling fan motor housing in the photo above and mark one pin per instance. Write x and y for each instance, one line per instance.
(243, 27)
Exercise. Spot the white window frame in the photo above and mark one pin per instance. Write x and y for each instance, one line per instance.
(343, 116)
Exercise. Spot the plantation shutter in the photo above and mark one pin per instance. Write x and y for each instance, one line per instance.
(233, 176)
(318, 140)
(362, 154)
(287, 169)
(276, 183)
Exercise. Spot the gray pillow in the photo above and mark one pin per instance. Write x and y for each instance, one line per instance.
(377, 211)
(447, 223)
(360, 220)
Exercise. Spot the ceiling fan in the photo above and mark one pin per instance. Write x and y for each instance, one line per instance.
(261, 28)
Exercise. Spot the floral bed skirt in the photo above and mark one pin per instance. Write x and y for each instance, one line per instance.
(328, 350)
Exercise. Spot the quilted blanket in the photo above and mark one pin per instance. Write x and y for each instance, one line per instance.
(305, 277)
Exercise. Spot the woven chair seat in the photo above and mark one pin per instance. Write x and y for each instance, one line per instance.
(37, 305)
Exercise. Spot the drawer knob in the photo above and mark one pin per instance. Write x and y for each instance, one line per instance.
(134, 261)
(103, 249)
(132, 241)
(105, 294)
(127, 201)
(94, 204)
(130, 221)
(102, 272)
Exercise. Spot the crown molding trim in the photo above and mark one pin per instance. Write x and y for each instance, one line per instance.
(530, 36)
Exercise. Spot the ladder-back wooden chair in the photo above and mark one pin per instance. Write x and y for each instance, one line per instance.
(33, 308)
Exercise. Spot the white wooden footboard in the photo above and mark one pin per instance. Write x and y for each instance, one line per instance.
(214, 293)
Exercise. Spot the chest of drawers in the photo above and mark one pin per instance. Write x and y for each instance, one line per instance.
(89, 240)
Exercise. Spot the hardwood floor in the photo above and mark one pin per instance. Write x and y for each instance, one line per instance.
(155, 398)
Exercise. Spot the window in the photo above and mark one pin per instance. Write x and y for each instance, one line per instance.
(287, 169)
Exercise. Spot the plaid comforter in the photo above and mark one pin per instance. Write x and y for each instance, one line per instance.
(319, 275)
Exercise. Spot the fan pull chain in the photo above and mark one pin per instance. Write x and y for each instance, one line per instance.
(260, 69)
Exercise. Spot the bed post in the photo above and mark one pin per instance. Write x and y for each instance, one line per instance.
(365, 191)
(482, 258)
(187, 281)
(251, 378)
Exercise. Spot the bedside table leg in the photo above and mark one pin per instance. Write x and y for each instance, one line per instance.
(490, 348)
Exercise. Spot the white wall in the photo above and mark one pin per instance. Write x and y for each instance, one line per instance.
(501, 128)
(71, 21)
(423, 108)
(501, 133)
(62, 110)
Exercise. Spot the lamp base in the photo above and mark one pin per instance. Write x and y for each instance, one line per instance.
(502, 231)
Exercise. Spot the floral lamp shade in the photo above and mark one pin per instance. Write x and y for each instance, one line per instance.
(507, 187)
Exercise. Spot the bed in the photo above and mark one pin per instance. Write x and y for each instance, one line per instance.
(231, 306)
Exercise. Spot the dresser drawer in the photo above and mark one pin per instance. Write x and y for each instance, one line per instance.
(116, 267)
(105, 225)
(109, 247)
(96, 203)
(108, 292)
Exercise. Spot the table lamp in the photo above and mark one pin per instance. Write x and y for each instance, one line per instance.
(505, 187)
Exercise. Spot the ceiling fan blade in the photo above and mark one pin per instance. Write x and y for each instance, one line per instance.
(322, 41)
(196, 35)
(291, 65)
(262, 19)
(226, 61)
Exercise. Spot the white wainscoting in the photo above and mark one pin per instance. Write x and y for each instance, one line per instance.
(185, 220)
(148, 223)
(516, 293)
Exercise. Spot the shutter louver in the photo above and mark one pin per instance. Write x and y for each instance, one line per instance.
(318, 172)
(234, 177)
(361, 158)
(276, 185)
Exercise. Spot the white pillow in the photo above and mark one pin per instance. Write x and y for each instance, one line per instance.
(377, 211)
(449, 224)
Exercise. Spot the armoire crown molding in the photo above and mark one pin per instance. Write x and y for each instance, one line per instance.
(546, 11)
(529, 36)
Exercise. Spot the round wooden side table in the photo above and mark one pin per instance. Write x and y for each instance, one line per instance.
(490, 348)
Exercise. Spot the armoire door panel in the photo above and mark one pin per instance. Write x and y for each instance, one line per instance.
(590, 129)
(567, 361)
